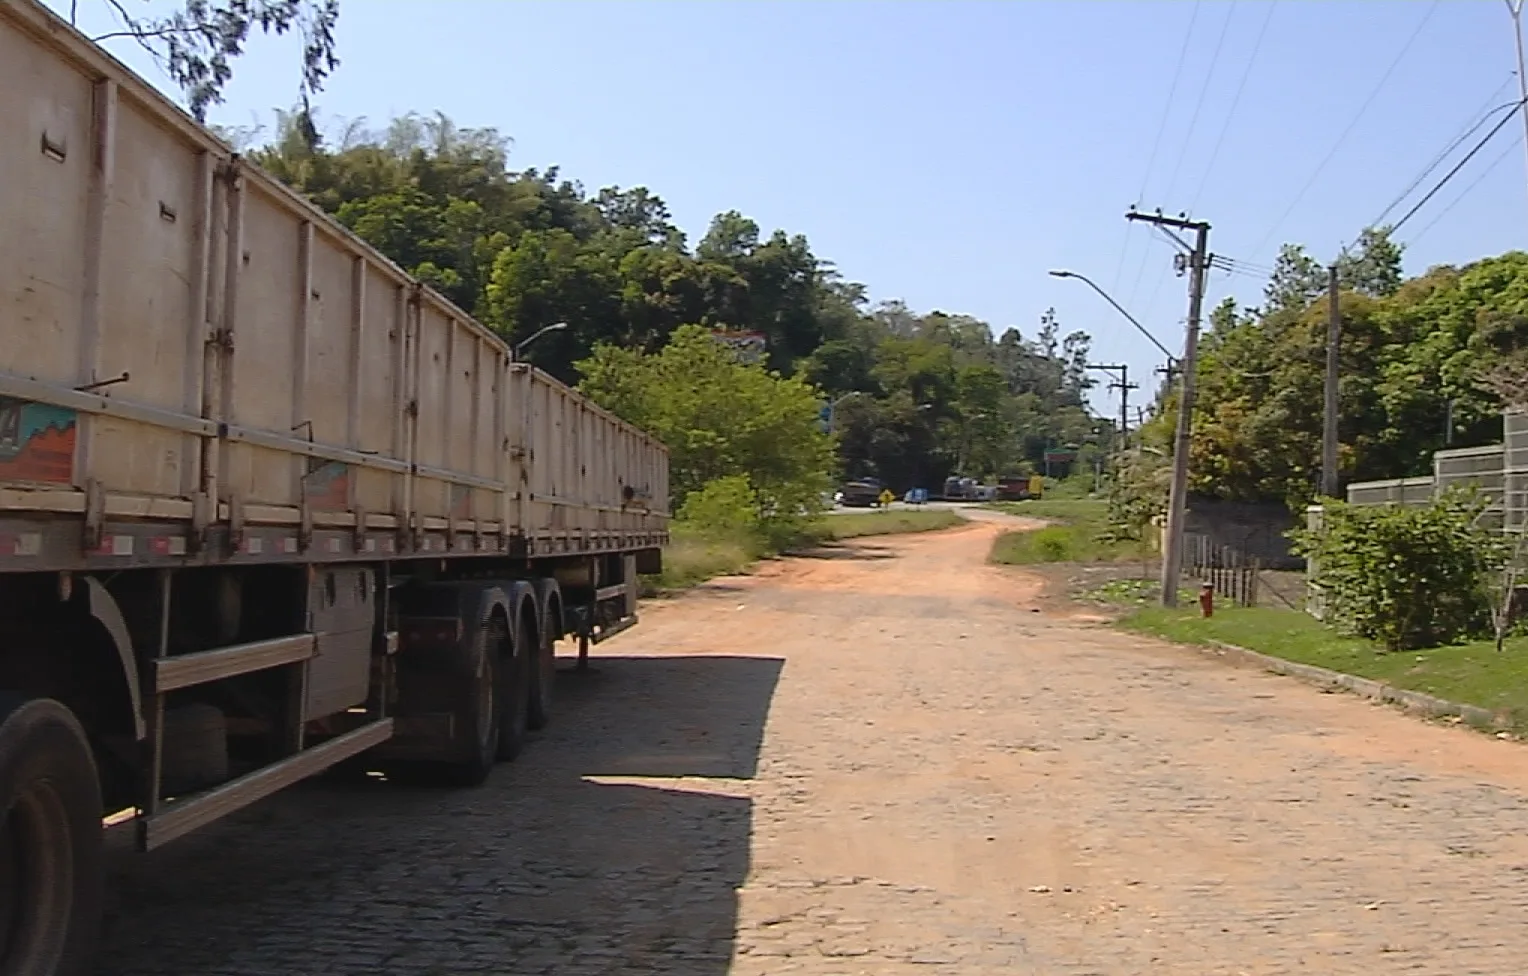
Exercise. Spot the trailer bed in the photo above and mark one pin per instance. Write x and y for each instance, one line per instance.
(203, 366)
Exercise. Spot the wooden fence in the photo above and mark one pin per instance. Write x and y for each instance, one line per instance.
(1232, 573)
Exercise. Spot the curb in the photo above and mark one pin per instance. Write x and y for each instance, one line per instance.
(1411, 701)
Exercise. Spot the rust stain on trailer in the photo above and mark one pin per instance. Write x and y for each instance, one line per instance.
(328, 486)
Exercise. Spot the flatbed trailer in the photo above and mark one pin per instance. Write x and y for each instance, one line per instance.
(267, 503)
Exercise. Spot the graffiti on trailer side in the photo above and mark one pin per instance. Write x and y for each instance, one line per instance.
(37, 441)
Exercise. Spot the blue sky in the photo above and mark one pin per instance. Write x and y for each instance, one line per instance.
(949, 153)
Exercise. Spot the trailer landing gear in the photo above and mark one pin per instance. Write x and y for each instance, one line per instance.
(583, 666)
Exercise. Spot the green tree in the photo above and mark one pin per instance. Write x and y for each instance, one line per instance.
(719, 418)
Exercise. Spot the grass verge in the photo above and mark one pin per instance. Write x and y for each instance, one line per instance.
(831, 527)
(1078, 535)
(1471, 674)
(692, 557)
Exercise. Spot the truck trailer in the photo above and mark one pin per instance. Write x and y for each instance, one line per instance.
(267, 503)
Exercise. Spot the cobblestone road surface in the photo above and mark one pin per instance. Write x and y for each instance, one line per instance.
(882, 761)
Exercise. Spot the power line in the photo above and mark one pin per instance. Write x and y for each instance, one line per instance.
(1204, 90)
(1241, 86)
(1156, 145)
(1518, 141)
(1168, 105)
(1357, 117)
(1457, 167)
(1480, 116)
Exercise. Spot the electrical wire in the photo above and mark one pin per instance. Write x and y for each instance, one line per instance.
(1481, 115)
(1156, 144)
(1241, 86)
(1172, 91)
(1204, 89)
(1352, 124)
(1518, 141)
(1457, 167)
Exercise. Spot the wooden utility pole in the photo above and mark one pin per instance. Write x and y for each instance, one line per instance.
(1124, 386)
(1177, 497)
(1329, 408)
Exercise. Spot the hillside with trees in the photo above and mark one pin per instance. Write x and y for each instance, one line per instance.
(917, 396)
(1418, 367)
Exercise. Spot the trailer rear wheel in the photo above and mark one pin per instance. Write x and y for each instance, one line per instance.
(50, 841)
(480, 708)
(514, 717)
(543, 666)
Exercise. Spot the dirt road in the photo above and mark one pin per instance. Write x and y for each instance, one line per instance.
(881, 761)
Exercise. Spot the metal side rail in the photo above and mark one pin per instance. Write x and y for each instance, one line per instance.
(185, 670)
(183, 816)
(605, 633)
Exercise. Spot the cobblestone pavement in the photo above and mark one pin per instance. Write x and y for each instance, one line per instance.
(882, 761)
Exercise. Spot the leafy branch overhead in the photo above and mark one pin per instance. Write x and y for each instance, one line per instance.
(196, 44)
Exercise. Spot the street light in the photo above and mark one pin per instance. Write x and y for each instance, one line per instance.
(554, 327)
(833, 408)
(1171, 359)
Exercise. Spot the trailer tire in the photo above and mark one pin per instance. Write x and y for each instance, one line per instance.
(51, 870)
(515, 699)
(481, 705)
(543, 676)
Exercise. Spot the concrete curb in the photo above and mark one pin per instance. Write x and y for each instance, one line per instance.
(1412, 701)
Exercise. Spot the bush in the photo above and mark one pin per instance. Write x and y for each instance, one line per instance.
(1406, 577)
(1137, 494)
(725, 507)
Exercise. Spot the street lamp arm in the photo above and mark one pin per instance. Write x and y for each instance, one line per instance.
(554, 327)
(1118, 308)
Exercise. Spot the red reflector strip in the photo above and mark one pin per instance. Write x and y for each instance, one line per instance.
(24, 544)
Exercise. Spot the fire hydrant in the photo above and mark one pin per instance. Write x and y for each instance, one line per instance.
(1207, 599)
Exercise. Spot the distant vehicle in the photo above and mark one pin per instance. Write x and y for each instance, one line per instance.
(865, 493)
(1012, 489)
(916, 496)
(984, 493)
(960, 489)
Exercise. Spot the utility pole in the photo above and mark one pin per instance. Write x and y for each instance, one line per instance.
(1515, 8)
(1177, 498)
(1329, 408)
(1124, 386)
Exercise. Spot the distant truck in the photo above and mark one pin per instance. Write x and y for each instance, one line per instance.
(967, 490)
(1013, 489)
(861, 493)
(266, 502)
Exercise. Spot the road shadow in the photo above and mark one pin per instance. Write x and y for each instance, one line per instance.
(543, 870)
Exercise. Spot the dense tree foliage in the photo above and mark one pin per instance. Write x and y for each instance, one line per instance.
(1414, 357)
(917, 396)
(720, 419)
